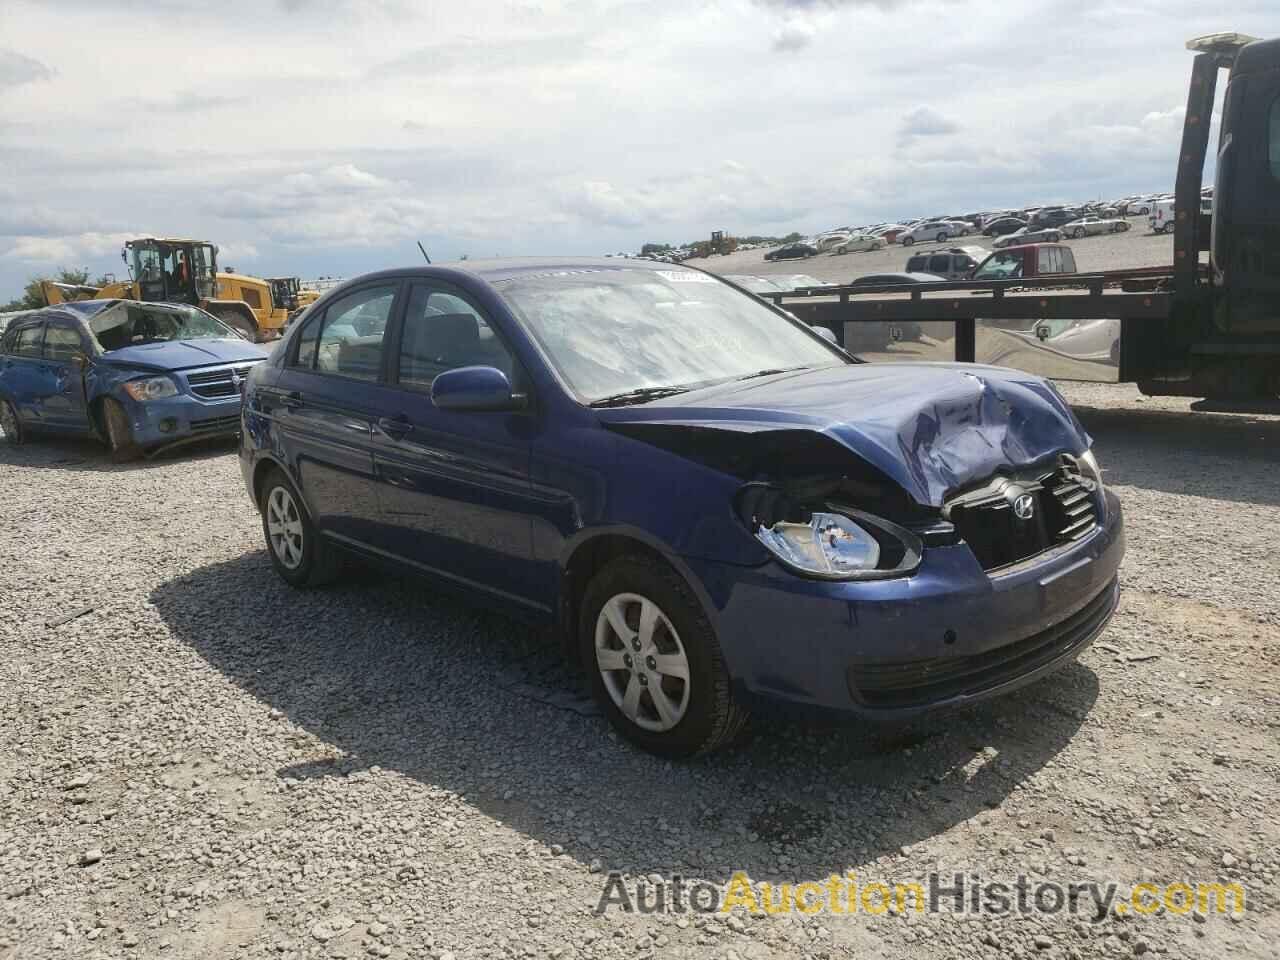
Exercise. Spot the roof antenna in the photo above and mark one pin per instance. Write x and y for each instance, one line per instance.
(424, 252)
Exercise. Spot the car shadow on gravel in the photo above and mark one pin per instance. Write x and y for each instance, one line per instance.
(387, 673)
(73, 454)
(1166, 450)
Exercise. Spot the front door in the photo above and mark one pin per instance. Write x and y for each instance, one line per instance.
(455, 489)
(65, 406)
(323, 406)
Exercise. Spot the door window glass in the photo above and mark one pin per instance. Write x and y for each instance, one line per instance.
(61, 343)
(350, 343)
(442, 331)
(917, 264)
(1042, 261)
(307, 340)
(940, 263)
(1273, 135)
(28, 344)
(1068, 261)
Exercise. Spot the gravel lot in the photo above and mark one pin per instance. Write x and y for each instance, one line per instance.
(1136, 248)
(208, 764)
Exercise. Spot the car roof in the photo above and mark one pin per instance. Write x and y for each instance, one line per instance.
(510, 268)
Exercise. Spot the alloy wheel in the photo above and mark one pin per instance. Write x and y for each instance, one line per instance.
(642, 662)
(284, 528)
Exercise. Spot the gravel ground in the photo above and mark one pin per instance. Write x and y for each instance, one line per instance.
(209, 764)
(1136, 248)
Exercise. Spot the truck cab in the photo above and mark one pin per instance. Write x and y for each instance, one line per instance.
(1028, 260)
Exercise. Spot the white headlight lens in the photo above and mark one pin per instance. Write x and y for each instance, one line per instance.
(153, 388)
(829, 545)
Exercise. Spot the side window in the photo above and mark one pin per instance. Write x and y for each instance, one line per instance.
(1068, 261)
(917, 264)
(61, 343)
(940, 263)
(28, 344)
(7, 339)
(307, 341)
(1273, 136)
(350, 342)
(1042, 261)
(442, 331)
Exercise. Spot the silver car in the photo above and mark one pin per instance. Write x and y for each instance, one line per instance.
(938, 230)
(1028, 235)
(1091, 226)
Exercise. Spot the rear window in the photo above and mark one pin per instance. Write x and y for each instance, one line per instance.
(917, 264)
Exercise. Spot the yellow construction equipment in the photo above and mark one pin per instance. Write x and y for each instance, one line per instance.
(172, 270)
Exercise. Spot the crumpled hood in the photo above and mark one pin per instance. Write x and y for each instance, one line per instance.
(168, 355)
(931, 427)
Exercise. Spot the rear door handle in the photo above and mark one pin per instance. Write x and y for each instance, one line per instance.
(292, 400)
(395, 427)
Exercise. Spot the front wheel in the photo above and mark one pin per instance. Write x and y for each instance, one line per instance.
(241, 325)
(10, 424)
(941, 238)
(1079, 233)
(119, 432)
(908, 241)
(298, 553)
(654, 662)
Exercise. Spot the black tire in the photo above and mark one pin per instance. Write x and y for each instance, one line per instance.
(712, 718)
(118, 432)
(1079, 234)
(317, 562)
(10, 424)
(941, 237)
(908, 241)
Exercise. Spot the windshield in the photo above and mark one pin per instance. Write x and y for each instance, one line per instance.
(611, 332)
(128, 324)
(1000, 266)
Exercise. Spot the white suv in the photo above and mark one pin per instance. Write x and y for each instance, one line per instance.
(939, 230)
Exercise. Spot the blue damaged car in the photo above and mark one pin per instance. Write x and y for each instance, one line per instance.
(712, 505)
(139, 376)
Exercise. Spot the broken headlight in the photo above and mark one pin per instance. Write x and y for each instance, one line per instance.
(1089, 468)
(152, 388)
(828, 541)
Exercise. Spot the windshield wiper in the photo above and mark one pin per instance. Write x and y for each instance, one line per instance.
(641, 395)
(769, 373)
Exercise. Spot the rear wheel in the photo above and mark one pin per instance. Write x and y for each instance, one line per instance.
(1079, 233)
(298, 553)
(115, 424)
(908, 241)
(654, 662)
(10, 424)
(941, 237)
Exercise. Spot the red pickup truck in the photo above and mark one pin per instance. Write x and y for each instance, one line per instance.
(1031, 260)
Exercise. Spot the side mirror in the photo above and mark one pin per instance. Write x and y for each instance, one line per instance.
(476, 389)
(826, 333)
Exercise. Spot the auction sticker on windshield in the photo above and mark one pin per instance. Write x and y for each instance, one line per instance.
(685, 276)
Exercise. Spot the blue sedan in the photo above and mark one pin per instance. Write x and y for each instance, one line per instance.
(711, 504)
(138, 375)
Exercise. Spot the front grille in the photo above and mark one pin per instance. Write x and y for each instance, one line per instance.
(216, 425)
(915, 683)
(1063, 509)
(217, 384)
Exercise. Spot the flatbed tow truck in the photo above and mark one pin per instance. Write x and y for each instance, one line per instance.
(1194, 329)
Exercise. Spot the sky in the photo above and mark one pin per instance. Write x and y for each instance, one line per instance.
(325, 137)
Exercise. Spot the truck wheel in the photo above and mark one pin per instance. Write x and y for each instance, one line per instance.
(10, 424)
(119, 432)
(654, 662)
(238, 323)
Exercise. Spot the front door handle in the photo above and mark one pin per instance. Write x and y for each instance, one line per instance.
(395, 427)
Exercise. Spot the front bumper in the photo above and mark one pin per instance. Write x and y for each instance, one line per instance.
(157, 422)
(949, 634)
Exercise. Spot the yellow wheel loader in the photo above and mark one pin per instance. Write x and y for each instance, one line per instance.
(186, 271)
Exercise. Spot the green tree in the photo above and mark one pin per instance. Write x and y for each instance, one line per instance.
(33, 297)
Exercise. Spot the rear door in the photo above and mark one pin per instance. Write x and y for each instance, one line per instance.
(24, 375)
(324, 404)
(456, 494)
(65, 406)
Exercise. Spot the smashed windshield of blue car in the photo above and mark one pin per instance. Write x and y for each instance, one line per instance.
(630, 333)
(126, 325)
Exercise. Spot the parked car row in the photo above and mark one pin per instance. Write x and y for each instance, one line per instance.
(675, 476)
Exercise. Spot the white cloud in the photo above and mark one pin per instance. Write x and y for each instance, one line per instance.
(17, 68)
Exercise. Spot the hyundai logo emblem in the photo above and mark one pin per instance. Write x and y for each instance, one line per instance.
(1024, 508)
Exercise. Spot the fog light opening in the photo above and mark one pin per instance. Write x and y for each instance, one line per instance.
(168, 425)
(949, 637)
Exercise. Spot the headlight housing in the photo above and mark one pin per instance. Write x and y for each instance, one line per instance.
(152, 388)
(1089, 468)
(828, 541)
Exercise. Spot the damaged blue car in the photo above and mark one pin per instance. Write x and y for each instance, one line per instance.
(712, 505)
(139, 376)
